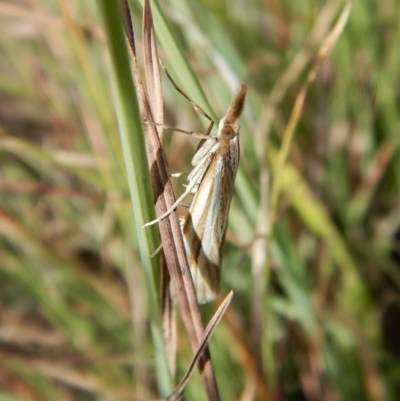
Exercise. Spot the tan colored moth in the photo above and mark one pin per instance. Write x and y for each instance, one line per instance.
(211, 182)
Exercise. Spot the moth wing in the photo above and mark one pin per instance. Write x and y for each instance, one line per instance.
(200, 168)
(204, 150)
(204, 228)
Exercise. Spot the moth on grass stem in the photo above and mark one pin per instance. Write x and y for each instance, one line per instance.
(211, 183)
(204, 227)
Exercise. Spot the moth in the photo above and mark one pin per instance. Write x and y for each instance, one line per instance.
(211, 183)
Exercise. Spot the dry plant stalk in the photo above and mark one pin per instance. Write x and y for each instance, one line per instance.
(169, 227)
(177, 394)
(297, 110)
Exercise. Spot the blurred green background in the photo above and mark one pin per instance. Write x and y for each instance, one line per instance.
(316, 311)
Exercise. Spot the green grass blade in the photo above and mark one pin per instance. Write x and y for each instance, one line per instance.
(130, 129)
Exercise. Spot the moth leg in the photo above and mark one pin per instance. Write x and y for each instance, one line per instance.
(180, 174)
(187, 132)
(174, 206)
(156, 251)
(197, 108)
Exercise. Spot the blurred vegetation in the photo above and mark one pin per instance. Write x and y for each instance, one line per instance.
(74, 306)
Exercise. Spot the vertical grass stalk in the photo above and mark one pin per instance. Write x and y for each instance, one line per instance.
(133, 145)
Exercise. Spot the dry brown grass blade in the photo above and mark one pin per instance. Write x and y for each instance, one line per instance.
(126, 15)
(213, 323)
(169, 227)
(259, 257)
(154, 93)
(368, 186)
(297, 110)
(168, 317)
(296, 67)
(152, 68)
(29, 187)
(244, 351)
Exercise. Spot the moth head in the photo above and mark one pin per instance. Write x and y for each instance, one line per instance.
(229, 125)
(227, 133)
